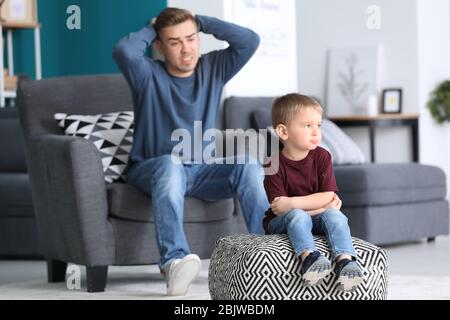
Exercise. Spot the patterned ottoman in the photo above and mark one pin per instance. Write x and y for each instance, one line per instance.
(265, 267)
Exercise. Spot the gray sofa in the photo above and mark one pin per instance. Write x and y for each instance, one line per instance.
(385, 203)
(18, 233)
(81, 219)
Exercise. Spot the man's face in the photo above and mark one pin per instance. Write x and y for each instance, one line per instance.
(180, 46)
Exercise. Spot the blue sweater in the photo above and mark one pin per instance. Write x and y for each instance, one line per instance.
(163, 103)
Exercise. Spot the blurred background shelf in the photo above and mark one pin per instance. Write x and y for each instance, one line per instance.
(22, 17)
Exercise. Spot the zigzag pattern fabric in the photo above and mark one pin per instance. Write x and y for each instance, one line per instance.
(252, 267)
(111, 133)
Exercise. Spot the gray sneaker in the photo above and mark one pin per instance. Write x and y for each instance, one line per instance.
(315, 268)
(349, 275)
(181, 273)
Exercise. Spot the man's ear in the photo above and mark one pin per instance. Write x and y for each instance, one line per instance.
(282, 132)
(158, 45)
(157, 50)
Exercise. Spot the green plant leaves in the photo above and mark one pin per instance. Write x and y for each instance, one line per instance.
(439, 103)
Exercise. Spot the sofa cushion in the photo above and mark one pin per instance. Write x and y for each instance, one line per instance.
(111, 133)
(237, 110)
(9, 113)
(15, 190)
(399, 222)
(261, 118)
(128, 202)
(386, 184)
(343, 149)
(11, 142)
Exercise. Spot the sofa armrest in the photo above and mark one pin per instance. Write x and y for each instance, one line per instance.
(70, 197)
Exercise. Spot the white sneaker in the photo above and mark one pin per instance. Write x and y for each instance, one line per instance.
(181, 273)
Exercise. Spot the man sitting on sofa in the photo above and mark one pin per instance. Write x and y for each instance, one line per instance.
(173, 94)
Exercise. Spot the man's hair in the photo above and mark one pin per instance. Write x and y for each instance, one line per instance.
(171, 17)
(285, 108)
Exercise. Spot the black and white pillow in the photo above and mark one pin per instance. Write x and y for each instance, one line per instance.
(111, 133)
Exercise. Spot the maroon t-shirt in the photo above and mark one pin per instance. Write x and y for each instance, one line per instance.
(300, 178)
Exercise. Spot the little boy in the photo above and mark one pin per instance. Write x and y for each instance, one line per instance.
(302, 194)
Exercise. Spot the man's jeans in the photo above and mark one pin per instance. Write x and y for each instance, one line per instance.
(300, 227)
(168, 183)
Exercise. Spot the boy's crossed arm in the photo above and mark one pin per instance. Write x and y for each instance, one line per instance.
(335, 203)
(313, 204)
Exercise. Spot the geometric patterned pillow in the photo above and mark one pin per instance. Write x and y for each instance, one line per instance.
(111, 133)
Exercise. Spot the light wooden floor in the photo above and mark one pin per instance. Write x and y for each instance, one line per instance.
(417, 270)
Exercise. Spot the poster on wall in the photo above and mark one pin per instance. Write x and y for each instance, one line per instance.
(353, 80)
(273, 69)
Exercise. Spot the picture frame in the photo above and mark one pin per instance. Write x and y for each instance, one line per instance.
(392, 100)
(353, 76)
(18, 11)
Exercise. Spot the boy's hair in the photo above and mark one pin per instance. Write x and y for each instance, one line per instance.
(284, 108)
(171, 17)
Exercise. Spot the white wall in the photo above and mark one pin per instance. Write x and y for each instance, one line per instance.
(323, 24)
(433, 48)
(275, 59)
(416, 42)
(415, 35)
(209, 8)
(272, 69)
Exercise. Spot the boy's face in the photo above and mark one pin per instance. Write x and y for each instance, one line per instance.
(303, 131)
(180, 46)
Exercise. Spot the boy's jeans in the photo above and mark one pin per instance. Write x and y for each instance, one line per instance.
(300, 227)
(168, 183)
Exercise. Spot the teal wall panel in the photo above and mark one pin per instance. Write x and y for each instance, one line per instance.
(85, 51)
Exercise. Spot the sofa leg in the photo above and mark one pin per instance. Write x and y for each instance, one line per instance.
(96, 278)
(56, 270)
(431, 239)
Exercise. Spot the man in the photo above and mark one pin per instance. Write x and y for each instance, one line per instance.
(173, 94)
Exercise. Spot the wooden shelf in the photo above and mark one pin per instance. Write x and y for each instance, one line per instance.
(24, 16)
(383, 120)
(20, 25)
(9, 94)
(10, 24)
(381, 116)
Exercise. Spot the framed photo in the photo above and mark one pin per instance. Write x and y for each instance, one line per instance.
(353, 76)
(392, 101)
(18, 11)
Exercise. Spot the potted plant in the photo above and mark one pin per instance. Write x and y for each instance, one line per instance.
(439, 103)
